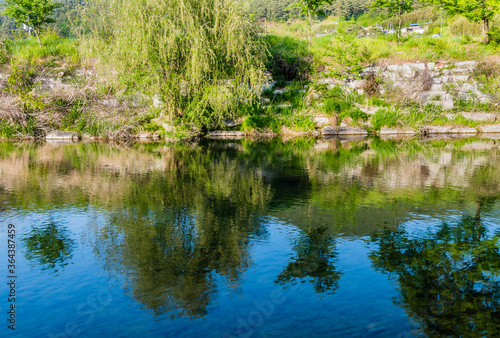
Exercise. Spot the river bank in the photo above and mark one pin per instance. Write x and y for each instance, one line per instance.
(62, 99)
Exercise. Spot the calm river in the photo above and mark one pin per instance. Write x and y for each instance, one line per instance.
(297, 238)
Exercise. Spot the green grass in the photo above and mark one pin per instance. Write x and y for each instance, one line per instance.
(54, 49)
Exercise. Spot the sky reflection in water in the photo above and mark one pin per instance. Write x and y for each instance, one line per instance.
(298, 238)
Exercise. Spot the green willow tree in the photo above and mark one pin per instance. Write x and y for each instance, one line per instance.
(309, 8)
(473, 10)
(398, 7)
(33, 13)
(203, 57)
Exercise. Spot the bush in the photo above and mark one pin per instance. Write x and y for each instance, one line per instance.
(461, 26)
(494, 36)
(288, 58)
(203, 57)
(488, 74)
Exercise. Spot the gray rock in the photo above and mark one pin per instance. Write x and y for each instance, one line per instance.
(480, 117)
(112, 103)
(269, 85)
(466, 64)
(433, 95)
(63, 135)
(433, 130)
(417, 66)
(329, 131)
(352, 131)
(445, 104)
(460, 78)
(321, 121)
(226, 134)
(280, 91)
(231, 123)
(489, 128)
(157, 102)
(148, 136)
(436, 87)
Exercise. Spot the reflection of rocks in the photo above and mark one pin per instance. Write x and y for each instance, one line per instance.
(396, 131)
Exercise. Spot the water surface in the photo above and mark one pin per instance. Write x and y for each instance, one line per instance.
(306, 237)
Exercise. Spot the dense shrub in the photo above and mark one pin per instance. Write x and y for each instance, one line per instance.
(461, 26)
(288, 58)
(494, 36)
(203, 57)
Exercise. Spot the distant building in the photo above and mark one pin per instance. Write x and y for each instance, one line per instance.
(27, 29)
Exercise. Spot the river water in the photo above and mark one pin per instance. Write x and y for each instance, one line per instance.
(296, 238)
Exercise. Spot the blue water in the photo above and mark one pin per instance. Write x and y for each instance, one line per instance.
(269, 241)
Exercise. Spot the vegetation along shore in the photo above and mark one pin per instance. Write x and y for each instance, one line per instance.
(125, 69)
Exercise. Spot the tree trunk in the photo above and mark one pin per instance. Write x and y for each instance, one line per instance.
(310, 26)
(486, 24)
(38, 37)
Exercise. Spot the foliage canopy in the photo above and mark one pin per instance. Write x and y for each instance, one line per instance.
(201, 56)
(473, 10)
(33, 13)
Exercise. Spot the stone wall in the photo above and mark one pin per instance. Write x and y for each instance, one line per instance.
(436, 83)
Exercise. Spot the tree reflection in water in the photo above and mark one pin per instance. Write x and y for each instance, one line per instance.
(450, 280)
(49, 246)
(315, 255)
(183, 237)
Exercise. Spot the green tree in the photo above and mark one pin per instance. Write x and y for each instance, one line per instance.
(33, 13)
(310, 7)
(473, 10)
(398, 7)
(204, 57)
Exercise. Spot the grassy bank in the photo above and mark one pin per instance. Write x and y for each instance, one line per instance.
(57, 87)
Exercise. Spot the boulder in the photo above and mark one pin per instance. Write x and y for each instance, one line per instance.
(231, 134)
(321, 120)
(231, 123)
(112, 103)
(445, 104)
(433, 130)
(352, 131)
(329, 131)
(63, 135)
(480, 117)
(489, 128)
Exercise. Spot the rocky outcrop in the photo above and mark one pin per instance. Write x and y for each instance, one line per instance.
(428, 83)
(343, 131)
(432, 130)
(490, 128)
(63, 136)
(226, 134)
